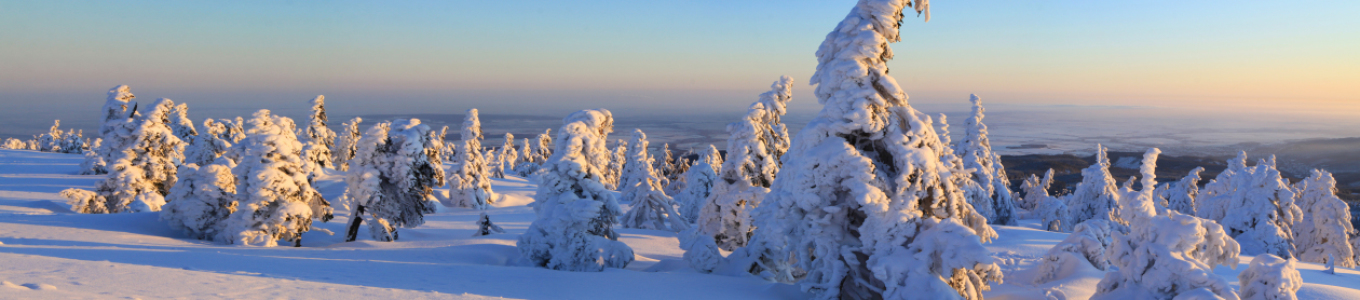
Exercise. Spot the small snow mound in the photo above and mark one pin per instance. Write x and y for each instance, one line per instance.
(39, 286)
(10, 285)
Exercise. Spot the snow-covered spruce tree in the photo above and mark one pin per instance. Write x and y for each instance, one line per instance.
(529, 162)
(1324, 234)
(117, 110)
(864, 204)
(1164, 256)
(201, 199)
(747, 174)
(392, 178)
(988, 172)
(1262, 212)
(51, 141)
(665, 167)
(1035, 190)
(347, 144)
(1180, 196)
(16, 144)
(470, 185)
(1096, 196)
(180, 124)
(1218, 193)
(699, 184)
(143, 170)
(1270, 277)
(574, 228)
(207, 147)
(1087, 244)
(506, 157)
(613, 177)
(320, 139)
(652, 209)
(637, 168)
(93, 163)
(275, 199)
(74, 142)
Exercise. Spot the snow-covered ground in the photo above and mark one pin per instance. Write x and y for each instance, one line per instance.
(48, 252)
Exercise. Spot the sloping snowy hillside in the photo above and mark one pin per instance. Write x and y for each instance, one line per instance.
(49, 252)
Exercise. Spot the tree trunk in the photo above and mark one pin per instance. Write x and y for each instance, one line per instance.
(355, 219)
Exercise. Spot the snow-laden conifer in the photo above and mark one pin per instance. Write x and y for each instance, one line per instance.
(613, 177)
(652, 209)
(864, 205)
(1035, 190)
(201, 199)
(637, 167)
(1258, 209)
(16, 144)
(1270, 277)
(207, 147)
(1164, 256)
(988, 172)
(470, 185)
(1324, 235)
(1096, 196)
(505, 157)
(699, 180)
(347, 144)
(117, 109)
(180, 124)
(143, 169)
(392, 178)
(320, 140)
(276, 201)
(544, 148)
(574, 227)
(1180, 196)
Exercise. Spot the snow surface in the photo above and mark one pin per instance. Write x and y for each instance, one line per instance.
(49, 252)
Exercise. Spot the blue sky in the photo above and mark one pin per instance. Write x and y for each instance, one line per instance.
(659, 56)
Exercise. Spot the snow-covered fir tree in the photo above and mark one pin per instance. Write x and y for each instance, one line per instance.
(51, 141)
(347, 144)
(1096, 196)
(637, 167)
(1180, 196)
(143, 170)
(699, 180)
(988, 172)
(613, 176)
(1270, 277)
(1034, 190)
(16, 144)
(652, 209)
(392, 178)
(574, 227)
(117, 110)
(470, 185)
(275, 199)
(1259, 209)
(201, 199)
(544, 146)
(864, 206)
(180, 124)
(506, 157)
(320, 140)
(1216, 195)
(207, 147)
(1164, 256)
(528, 160)
(1324, 234)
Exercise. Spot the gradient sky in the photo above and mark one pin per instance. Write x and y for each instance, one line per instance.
(657, 56)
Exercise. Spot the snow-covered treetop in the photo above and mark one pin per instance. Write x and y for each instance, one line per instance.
(472, 130)
(1139, 206)
(115, 107)
(317, 130)
(600, 123)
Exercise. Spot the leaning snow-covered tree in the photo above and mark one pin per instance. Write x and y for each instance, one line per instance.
(276, 201)
(320, 139)
(699, 180)
(1164, 256)
(347, 144)
(201, 199)
(392, 178)
(574, 228)
(748, 172)
(652, 209)
(1096, 196)
(990, 175)
(470, 185)
(207, 147)
(1324, 234)
(862, 205)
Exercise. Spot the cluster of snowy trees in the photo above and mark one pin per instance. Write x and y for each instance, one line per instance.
(55, 140)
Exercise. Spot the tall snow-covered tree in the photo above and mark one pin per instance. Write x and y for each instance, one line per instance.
(207, 147)
(1323, 236)
(862, 205)
(201, 199)
(276, 201)
(1180, 196)
(574, 227)
(470, 186)
(180, 124)
(506, 158)
(143, 170)
(320, 139)
(988, 172)
(1214, 200)
(117, 109)
(652, 209)
(613, 177)
(544, 149)
(347, 144)
(637, 168)
(1261, 210)
(392, 178)
(1096, 196)
(699, 184)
